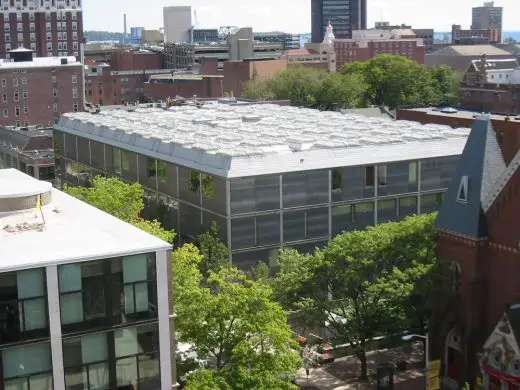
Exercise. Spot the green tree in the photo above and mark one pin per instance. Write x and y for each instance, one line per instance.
(122, 200)
(234, 321)
(340, 91)
(364, 283)
(215, 253)
(393, 80)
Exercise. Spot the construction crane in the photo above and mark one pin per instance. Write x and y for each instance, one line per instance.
(225, 31)
(194, 25)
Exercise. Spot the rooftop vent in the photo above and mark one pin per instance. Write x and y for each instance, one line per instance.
(449, 110)
(26, 199)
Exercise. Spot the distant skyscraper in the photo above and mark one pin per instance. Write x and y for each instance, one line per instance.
(345, 16)
(488, 17)
(177, 24)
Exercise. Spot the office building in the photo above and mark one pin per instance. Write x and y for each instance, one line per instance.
(28, 149)
(238, 45)
(344, 15)
(288, 41)
(269, 176)
(84, 296)
(177, 24)
(49, 28)
(477, 240)
(488, 17)
(36, 91)
(426, 34)
(366, 44)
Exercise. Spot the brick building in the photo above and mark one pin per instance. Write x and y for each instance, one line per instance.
(459, 57)
(507, 129)
(478, 237)
(369, 43)
(161, 87)
(473, 36)
(135, 60)
(48, 27)
(36, 91)
(492, 86)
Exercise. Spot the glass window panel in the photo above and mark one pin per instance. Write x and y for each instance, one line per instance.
(129, 166)
(135, 268)
(431, 202)
(318, 222)
(83, 150)
(168, 211)
(33, 315)
(69, 277)
(341, 219)
(363, 215)
(215, 186)
(305, 188)
(70, 147)
(169, 186)
(369, 176)
(30, 283)
(209, 219)
(191, 224)
(94, 348)
(136, 298)
(26, 360)
(149, 372)
(126, 342)
(412, 173)
(126, 371)
(71, 308)
(353, 184)
(162, 171)
(41, 382)
(97, 155)
(268, 229)
(243, 233)
(386, 210)
(98, 376)
(189, 185)
(116, 161)
(408, 206)
(146, 172)
(260, 193)
(294, 226)
(16, 384)
(59, 142)
(437, 173)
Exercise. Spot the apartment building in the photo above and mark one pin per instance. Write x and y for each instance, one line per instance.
(36, 91)
(48, 27)
(84, 296)
(269, 176)
(486, 17)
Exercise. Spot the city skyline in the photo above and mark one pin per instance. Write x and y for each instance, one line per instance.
(289, 15)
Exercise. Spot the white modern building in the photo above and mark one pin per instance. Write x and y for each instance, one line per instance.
(177, 24)
(84, 297)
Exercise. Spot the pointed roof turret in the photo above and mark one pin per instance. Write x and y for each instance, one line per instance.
(480, 166)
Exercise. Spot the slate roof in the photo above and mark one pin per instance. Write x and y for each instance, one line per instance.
(483, 164)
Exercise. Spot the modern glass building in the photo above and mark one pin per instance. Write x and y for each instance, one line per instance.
(344, 15)
(268, 176)
(83, 296)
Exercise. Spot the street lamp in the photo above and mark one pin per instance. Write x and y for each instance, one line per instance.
(409, 337)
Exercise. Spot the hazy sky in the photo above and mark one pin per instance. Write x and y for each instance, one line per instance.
(287, 15)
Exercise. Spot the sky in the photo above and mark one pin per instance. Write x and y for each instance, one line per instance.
(287, 15)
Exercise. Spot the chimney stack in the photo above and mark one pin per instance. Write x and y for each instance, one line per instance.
(124, 32)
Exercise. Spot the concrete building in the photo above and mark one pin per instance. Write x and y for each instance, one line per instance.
(49, 29)
(492, 86)
(473, 36)
(459, 57)
(239, 45)
(345, 15)
(28, 149)
(36, 91)
(288, 41)
(367, 44)
(78, 314)
(488, 17)
(269, 176)
(177, 24)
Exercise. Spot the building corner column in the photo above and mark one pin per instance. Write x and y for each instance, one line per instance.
(53, 299)
(167, 345)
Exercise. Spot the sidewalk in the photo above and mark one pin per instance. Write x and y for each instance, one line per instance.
(344, 372)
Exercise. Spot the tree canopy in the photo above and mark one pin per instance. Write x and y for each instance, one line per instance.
(364, 283)
(122, 200)
(235, 322)
(385, 80)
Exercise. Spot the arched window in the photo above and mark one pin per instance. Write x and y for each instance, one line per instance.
(455, 276)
